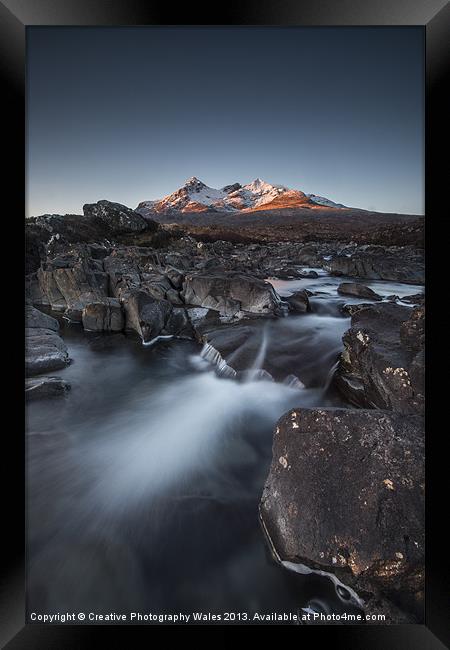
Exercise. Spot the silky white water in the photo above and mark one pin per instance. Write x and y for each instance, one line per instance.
(143, 483)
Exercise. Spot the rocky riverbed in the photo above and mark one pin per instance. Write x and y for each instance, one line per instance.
(197, 349)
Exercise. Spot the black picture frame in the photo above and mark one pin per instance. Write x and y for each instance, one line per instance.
(15, 16)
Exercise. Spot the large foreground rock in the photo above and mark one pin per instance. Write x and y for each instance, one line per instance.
(345, 494)
(382, 365)
(231, 294)
(116, 217)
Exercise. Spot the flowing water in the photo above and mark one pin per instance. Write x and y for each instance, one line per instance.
(143, 482)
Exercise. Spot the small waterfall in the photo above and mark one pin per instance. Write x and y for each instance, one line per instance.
(256, 371)
(156, 339)
(213, 356)
(330, 376)
(256, 375)
(261, 354)
(293, 382)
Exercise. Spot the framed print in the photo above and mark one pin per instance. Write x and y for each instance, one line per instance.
(226, 246)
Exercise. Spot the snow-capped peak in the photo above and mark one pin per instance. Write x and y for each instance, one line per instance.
(321, 200)
(258, 192)
(259, 185)
(258, 182)
(193, 181)
(195, 196)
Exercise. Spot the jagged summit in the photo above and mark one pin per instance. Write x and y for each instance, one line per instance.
(193, 181)
(196, 196)
(258, 184)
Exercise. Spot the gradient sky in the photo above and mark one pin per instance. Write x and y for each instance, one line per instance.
(128, 114)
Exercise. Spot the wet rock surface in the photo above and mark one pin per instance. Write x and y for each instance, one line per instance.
(299, 302)
(104, 316)
(357, 290)
(42, 387)
(369, 531)
(345, 490)
(44, 348)
(231, 294)
(44, 351)
(382, 365)
(144, 314)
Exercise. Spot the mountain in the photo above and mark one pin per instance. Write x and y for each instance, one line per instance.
(195, 196)
(321, 200)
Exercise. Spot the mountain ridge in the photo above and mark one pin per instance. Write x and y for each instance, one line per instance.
(196, 196)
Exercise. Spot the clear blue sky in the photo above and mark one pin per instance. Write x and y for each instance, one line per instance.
(128, 114)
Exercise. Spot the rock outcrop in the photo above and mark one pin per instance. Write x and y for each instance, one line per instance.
(299, 302)
(145, 315)
(400, 264)
(44, 348)
(357, 290)
(231, 294)
(345, 494)
(103, 316)
(116, 218)
(42, 387)
(345, 490)
(69, 282)
(382, 365)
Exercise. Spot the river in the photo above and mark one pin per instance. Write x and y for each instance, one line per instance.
(143, 482)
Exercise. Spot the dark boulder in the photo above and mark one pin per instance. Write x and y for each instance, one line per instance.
(103, 316)
(203, 320)
(135, 268)
(35, 318)
(211, 264)
(299, 302)
(43, 387)
(345, 495)
(382, 363)
(399, 264)
(44, 348)
(412, 331)
(117, 218)
(231, 294)
(303, 273)
(357, 290)
(71, 281)
(231, 188)
(44, 351)
(175, 276)
(309, 254)
(282, 272)
(144, 314)
(179, 325)
(125, 267)
(414, 299)
(350, 309)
